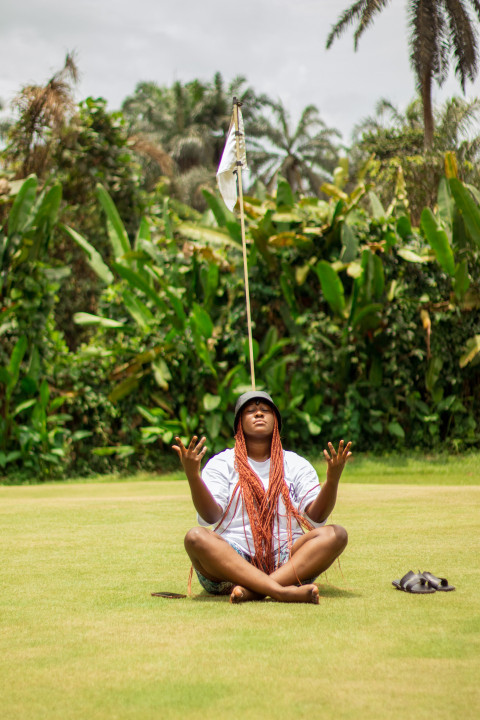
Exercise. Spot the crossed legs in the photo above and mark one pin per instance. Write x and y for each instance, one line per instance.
(312, 554)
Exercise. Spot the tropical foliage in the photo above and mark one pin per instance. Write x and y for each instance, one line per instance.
(122, 307)
(180, 131)
(441, 31)
(390, 140)
(306, 156)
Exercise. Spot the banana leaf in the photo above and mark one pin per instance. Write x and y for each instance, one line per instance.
(208, 236)
(82, 318)
(217, 207)
(445, 203)
(94, 259)
(116, 229)
(143, 234)
(13, 367)
(332, 287)
(136, 281)
(49, 207)
(438, 241)
(21, 213)
(468, 207)
(138, 310)
(462, 281)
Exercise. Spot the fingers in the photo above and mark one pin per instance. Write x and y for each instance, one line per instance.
(202, 442)
(192, 447)
(343, 452)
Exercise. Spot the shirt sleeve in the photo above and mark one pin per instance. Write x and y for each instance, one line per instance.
(215, 476)
(307, 487)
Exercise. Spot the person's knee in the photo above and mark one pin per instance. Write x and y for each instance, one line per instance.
(196, 538)
(340, 537)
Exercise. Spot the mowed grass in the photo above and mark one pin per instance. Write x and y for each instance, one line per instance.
(81, 636)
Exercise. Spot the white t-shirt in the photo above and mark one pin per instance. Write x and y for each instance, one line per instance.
(220, 477)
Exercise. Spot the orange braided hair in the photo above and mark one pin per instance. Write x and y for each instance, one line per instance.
(263, 506)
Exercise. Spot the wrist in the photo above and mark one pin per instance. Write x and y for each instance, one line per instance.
(333, 477)
(193, 475)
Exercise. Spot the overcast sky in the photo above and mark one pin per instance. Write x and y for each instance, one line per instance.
(279, 45)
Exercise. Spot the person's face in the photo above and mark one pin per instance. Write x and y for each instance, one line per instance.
(258, 419)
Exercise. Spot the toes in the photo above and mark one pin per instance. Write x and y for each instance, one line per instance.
(236, 595)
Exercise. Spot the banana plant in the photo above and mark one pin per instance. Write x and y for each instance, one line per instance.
(33, 433)
(168, 315)
(24, 243)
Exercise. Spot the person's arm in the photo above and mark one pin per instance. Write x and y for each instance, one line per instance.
(191, 459)
(320, 508)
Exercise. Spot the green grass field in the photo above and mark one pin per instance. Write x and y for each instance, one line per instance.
(81, 636)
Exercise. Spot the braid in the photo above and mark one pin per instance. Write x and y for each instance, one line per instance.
(262, 507)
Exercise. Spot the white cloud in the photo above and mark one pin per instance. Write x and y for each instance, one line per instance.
(278, 45)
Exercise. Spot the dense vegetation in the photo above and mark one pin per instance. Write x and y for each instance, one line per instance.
(122, 318)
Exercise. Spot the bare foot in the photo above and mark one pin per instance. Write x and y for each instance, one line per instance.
(302, 594)
(240, 594)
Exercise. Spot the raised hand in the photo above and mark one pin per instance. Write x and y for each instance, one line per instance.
(191, 456)
(336, 460)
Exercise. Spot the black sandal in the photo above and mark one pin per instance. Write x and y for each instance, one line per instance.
(414, 583)
(437, 583)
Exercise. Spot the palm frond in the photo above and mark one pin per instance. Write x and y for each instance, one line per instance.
(364, 11)
(463, 40)
(347, 18)
(372, 8)
(427, 40)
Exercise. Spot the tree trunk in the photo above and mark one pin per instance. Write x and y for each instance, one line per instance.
(427, 110)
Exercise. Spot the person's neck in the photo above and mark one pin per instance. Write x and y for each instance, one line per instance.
(258, 449)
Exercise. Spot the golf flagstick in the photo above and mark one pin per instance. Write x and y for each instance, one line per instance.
(231, 164)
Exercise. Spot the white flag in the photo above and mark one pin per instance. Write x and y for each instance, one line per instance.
(226, 177)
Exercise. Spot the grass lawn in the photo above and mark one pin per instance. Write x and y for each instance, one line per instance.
(81, 637)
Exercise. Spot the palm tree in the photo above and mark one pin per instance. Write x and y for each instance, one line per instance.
(457, 128)
(395, 139)
(305, 154)
(188, 123)
(439, 29)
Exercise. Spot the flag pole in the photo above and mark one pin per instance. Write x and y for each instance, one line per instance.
(236, 105)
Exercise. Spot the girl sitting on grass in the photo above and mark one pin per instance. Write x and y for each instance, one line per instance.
(268, 509)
